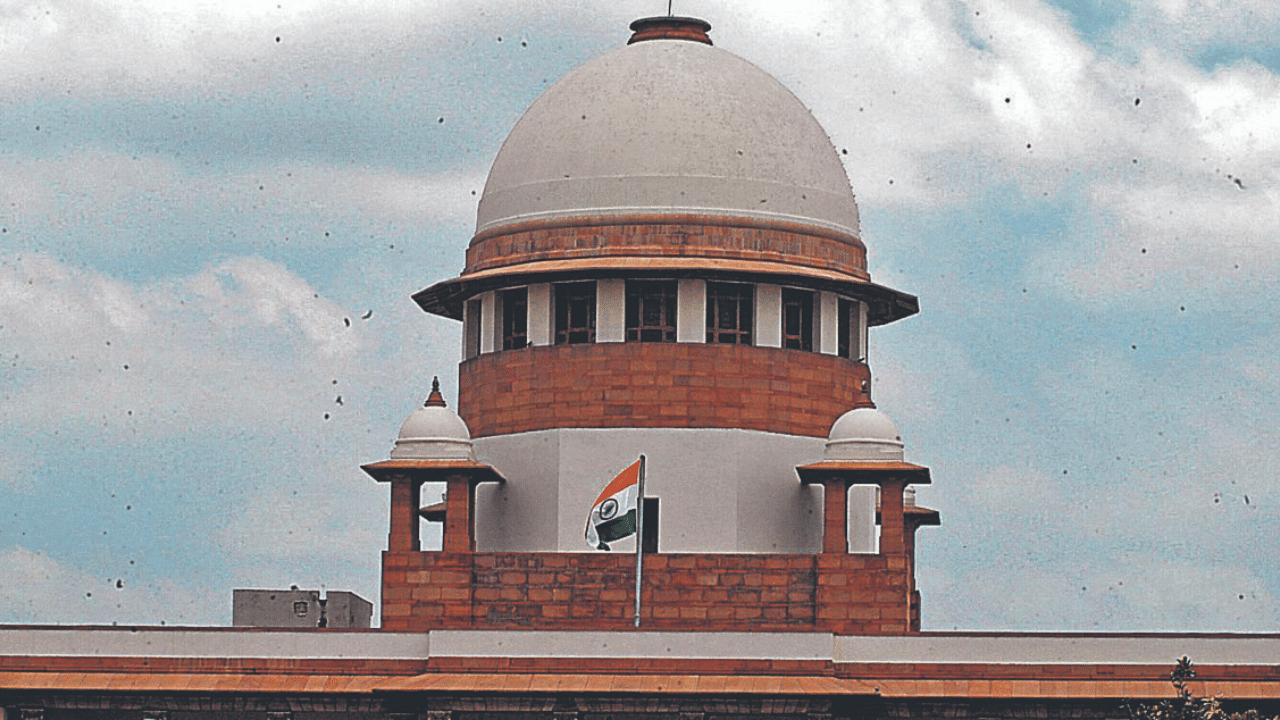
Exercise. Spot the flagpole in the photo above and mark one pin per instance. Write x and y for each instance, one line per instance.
(639, 537)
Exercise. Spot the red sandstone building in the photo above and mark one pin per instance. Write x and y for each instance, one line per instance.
(668, 261)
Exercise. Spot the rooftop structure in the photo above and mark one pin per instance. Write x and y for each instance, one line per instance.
(294, 608)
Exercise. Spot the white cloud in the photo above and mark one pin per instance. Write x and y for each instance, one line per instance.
(344, 519)
(381, 193)
(154, 46)
(41, 589)
(251, 292)
(244, 343)
(1239, 110)
(1188, 25)
(107, 201)
(291, 391)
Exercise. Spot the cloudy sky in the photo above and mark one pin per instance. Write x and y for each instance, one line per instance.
(212, 216)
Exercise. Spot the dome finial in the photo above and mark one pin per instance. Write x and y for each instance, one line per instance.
(435, 399)
(670, 27)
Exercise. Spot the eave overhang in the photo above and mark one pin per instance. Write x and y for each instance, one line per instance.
(819, 471)
(885, 304)
(428, 470)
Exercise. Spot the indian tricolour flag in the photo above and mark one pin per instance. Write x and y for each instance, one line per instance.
(613, 517)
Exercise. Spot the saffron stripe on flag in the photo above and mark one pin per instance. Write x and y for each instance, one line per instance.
(629, 476)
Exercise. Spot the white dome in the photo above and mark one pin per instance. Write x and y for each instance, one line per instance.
(864, 435)
(433, 433)
(668, 126)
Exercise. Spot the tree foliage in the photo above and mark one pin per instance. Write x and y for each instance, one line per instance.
(1186, 706)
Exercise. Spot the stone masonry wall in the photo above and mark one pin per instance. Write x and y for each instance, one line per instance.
(663, 385)
(844, 594)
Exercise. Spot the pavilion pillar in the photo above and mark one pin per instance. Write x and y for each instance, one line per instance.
(460, 514)
(837, 476)
(404, 535)
(835, 516)
(406, 478)
(892, 539)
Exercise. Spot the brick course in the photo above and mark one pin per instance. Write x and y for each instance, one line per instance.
(659, 385)
(666, 236)
(843, 594)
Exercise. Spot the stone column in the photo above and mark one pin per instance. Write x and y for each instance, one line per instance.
(892, 537)
(460, 515)
(835, 516)
(404, 534)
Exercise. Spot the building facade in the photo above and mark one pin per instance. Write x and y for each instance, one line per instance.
(667, 261)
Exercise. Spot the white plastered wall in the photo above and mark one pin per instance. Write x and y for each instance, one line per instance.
(864, 332)
(471, 329)
(691, 317)
(488, 321)
(522, 513)
(539, 314)
(768, 315)
(827, 320)
(611, 310)
(718, 490)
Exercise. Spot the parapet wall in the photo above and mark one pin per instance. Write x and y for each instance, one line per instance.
(842, 594)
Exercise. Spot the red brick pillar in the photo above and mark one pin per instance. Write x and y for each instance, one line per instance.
(404, 534)
(460, 515)
(892, 530)
(911, 523)
(835, 516)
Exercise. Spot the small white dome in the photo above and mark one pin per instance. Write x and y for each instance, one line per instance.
(433, 432)
(864, 435)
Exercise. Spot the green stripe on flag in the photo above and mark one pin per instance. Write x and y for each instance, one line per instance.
(616, 529)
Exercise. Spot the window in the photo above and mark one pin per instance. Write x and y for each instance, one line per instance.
(651, 311)
(730, 309)
(797, 319)
(300, 608)
(515, 318)
(575, 313)
(849, 324)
